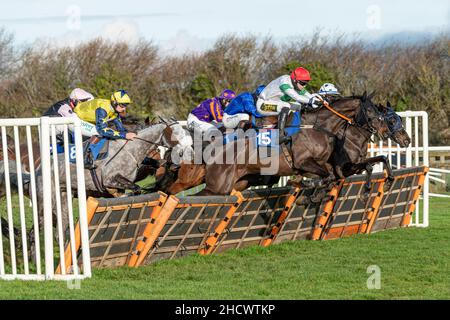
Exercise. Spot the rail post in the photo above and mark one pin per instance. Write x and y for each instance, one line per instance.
(47, 197)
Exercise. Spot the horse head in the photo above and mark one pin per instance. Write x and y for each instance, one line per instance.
(178, 139)
(371, 118)
(397, 131)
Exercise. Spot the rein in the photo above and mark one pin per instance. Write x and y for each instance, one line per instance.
(340, 115)
(116, 153)
(151, 142)
(145, 140)
(349, 122)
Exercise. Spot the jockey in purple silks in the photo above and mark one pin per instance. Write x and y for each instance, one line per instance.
(208, 114)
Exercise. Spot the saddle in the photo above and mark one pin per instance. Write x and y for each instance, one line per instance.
(98, 147)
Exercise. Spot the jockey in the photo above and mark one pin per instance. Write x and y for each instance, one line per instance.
(329, 89)
(208, 114)
(64, 108)
(241, 108)
(287, 93)
(102, 111)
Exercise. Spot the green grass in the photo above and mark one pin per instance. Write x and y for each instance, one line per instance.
(414, 263)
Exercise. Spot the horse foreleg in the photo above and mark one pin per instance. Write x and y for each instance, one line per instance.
(5, 229)
(115, 192)
(370, 162)
(120, 182)
(368, 184)
(390, 173)
(189, 176)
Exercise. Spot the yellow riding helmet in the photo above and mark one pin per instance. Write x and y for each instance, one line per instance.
(121, 97)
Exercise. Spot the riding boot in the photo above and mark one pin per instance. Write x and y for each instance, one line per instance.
(88, 161)
(282, 117)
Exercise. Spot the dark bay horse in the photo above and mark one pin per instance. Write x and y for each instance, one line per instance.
(350, 154)
(311, 152)
(311, 147)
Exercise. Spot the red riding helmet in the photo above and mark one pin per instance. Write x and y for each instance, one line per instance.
(300, 74)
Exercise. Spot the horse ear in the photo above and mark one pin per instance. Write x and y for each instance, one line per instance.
(389, 105)
(147, 121)
(161, 120)
(173, 119)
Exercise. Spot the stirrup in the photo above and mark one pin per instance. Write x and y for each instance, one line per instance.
(284, 139)
(89, 162)
(89, 166)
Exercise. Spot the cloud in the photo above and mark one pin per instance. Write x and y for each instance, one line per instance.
(121, 30)
(184, 42)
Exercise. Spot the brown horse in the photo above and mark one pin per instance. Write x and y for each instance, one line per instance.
(311, 148)
(318, 142)
(190, 175)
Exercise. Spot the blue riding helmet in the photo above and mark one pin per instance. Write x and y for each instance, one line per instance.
(259, 90)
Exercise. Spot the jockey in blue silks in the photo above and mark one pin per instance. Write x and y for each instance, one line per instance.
(241, 107)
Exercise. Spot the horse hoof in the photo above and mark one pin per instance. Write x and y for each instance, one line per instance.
(294, 183)
(387, 185)
(318, 196)
(365, 197)
(303, 201)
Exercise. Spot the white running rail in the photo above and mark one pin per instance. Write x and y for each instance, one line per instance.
(16, 260)
(416, 154)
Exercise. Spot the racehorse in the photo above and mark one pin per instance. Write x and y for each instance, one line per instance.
(350, 154)
(311, 147)
(119, 169)
(189, 175)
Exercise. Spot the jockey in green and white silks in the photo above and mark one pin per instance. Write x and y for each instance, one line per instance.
(287, 93)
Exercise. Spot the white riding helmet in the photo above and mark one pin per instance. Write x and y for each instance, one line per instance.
(328, 88)
(80, 95)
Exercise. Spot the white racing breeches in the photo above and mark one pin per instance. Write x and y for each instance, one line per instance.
(87, 129)
(195, 124)
(271, 107)
(232, 121)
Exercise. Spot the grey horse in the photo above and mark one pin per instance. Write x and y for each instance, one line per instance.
(118, 171)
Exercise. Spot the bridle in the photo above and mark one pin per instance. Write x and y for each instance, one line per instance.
(362, 120)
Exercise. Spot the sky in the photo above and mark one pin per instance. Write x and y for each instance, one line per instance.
(179, 26)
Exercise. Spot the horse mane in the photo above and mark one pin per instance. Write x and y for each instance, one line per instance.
(342, 99)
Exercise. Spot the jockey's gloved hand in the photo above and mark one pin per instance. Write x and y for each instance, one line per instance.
(315, 103)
